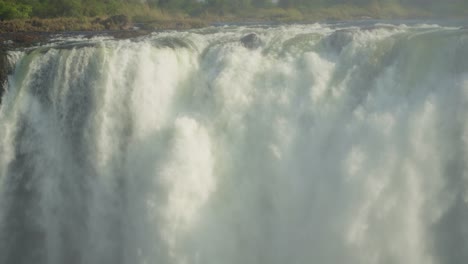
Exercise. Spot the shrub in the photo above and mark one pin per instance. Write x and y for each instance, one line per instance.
(9, 10)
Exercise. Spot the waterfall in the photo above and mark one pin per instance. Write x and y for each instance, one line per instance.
(327, 143)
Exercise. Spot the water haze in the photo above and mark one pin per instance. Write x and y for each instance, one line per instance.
(321, 143)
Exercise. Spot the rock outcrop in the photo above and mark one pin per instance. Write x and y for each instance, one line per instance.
(251, 41)
(4, 71)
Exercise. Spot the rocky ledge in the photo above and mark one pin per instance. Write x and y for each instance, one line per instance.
(19, 34)
(23, 40)
(5, 69)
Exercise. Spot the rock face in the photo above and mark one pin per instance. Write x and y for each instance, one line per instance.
(339, 39)
(4, 70)
(251, 41)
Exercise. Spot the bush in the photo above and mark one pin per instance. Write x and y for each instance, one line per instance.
(10, 10)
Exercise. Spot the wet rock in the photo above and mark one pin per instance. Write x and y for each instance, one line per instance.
(9, 41)
(4, 71)
(251, 41)
(170, 42)
(339, 39)
(129, 34)
(27, 39)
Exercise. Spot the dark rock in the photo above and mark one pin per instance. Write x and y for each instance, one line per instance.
(11, 41)
(27, 39)
(129, 34)
(4, 71)
(339, 39)
(171, 42)
(251, 41)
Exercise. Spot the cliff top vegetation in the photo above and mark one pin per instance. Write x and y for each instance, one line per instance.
(42, 15)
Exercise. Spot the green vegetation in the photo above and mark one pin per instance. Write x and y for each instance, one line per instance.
(11, 10)
(205, 11)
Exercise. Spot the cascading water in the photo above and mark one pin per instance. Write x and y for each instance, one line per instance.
(326, 144)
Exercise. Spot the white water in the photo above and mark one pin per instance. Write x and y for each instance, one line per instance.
(328, 144)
